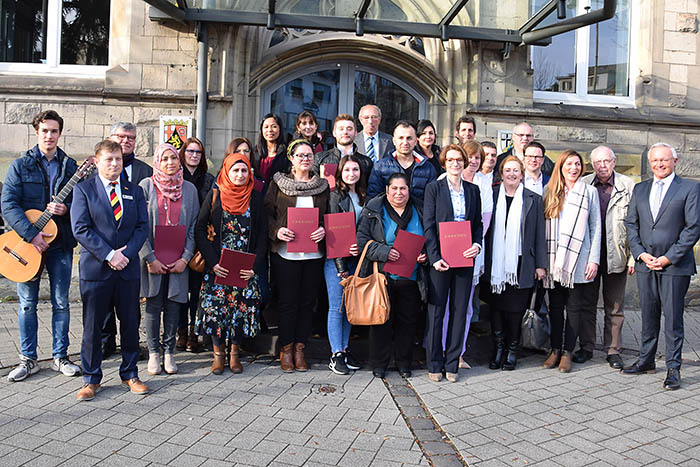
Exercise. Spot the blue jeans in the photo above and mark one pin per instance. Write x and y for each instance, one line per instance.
(338, 325)
(58, 263)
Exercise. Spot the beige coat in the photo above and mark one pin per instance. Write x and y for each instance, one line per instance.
(619, 256)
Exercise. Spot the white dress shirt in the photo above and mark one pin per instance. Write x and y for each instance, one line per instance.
(653, 193)
(533, 184)
(118, 189)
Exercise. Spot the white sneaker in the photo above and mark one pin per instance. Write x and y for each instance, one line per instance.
(65, 366)
(26, 367)
(154, 363)
(169, 364)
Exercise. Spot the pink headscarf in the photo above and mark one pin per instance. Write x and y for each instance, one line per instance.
(169, 185)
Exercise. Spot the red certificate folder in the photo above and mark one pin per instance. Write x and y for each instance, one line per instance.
(302, 221)
(169, 243)
(455, 237)
(235, 262)
(409, 246)
(328, 172)
(340, 234)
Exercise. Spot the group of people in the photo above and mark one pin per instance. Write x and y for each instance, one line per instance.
(538, 228)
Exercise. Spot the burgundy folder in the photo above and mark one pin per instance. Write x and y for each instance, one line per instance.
(235, 262)
(302, 221)
(169, 243)
(328, 172)
(455, 237)
(340, 234)
(409, 246)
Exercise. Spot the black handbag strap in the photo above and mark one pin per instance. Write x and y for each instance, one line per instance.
(534, 295)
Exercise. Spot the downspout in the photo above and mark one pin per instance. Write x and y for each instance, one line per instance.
(560, 27)
(202, 62)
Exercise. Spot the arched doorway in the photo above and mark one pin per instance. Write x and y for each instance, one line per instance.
(328, 89)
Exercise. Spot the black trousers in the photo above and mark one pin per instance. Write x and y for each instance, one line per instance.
(579, 304)
(457, 284)
(507, 309)
(662, 293)
(397, 333)
(188, 310)
(297, 284)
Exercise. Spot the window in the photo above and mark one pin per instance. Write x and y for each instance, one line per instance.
(588, 66)
(38, 35)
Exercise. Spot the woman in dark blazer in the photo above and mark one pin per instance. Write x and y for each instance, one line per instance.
(516, 258)
(449, 199)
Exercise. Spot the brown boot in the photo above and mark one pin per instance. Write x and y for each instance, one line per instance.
(234, 362)
(286, 359)
(299, 359)
(192, 342)
(181, 342)
(565, 363)
(553, 359)
(217, 366)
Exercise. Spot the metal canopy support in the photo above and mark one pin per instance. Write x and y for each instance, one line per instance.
(171, 11)
(447, 19)
(271, 15)
(560, 27)
(360, 17)
(538, 17)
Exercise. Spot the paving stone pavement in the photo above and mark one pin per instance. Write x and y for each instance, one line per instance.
(592, 416)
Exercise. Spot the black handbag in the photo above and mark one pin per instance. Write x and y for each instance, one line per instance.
(535, 327)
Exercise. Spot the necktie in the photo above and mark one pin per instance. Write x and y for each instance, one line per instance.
(114, 201)
(658, 197)
(371, 152)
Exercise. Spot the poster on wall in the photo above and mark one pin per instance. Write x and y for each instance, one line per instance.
(504, 140)
(175, 130)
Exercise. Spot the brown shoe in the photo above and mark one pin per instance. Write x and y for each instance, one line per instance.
(217, 366)
(234, 362)
(286, 359)
(553, 359)
(136, 386)
(88, 391)
(565, 363)
(181, 342)
(192, 342)
(299, 359)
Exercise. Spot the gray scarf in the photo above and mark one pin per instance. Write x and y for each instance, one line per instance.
(291, 187)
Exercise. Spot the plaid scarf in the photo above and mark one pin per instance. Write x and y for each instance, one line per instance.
(565, 236)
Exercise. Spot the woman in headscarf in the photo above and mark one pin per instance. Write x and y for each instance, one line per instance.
(232, 216)
(171, 201)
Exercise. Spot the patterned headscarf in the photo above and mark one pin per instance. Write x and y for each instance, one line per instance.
(169, 185)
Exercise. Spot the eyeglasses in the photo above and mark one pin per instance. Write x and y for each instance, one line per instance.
(304, 156)
(127, 137)
(370, 117)
(193, 151)
(453, 161)
(534, 157)
(524, 135)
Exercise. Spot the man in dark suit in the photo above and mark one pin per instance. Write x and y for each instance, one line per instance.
(372, 142)
(110, 222)
(522, 135)
(133, 170)
(663, 225)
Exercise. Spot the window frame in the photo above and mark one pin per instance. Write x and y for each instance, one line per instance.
(53, 65)
(581, 95)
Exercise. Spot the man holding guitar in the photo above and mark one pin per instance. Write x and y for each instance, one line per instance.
(32, 182)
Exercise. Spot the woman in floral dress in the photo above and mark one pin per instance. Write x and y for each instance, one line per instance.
(232, 216)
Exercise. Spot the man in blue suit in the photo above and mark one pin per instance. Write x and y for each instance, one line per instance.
(110, 222)
(663, 224)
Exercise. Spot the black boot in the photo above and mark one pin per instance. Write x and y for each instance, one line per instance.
(499, 347)
(512, 357)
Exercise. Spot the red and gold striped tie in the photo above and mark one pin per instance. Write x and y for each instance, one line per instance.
(114, 201)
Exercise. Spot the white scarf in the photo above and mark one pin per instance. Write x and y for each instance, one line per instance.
(506, 241)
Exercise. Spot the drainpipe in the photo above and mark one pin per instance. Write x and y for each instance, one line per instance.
(202, 61)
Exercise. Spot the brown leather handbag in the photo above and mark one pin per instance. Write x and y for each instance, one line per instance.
(197, 262)
(366, 298)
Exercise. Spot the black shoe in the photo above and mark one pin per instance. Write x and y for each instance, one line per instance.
(378, 372)
(673, 379)
(499, 347)
(636, 368)
(615, 361)
(405, 372)
(350, 362)
(337, 364)
(512, 358)
(582, 356)
(108, 349)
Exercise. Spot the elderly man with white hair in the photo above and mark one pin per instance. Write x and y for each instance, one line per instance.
(523, 134)
(614, 193)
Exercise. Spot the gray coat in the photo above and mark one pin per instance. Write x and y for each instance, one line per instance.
(178, 286)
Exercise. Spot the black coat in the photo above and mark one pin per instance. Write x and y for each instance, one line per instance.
(533, 243)
(257, 241)
(340, 202)
(139, 171)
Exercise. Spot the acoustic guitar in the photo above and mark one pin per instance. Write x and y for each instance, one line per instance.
(19, 260)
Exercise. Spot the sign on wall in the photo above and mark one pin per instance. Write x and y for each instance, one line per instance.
(175, 130)
(504, 140)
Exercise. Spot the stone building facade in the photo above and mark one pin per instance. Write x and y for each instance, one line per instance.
(152, 71)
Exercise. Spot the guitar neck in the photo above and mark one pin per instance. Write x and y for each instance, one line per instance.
(60, 198)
